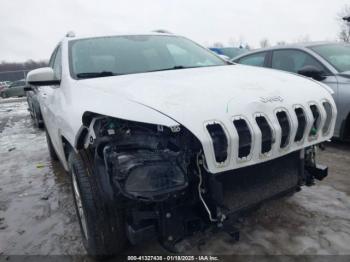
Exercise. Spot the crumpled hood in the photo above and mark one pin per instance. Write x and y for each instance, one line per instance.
(196, 97)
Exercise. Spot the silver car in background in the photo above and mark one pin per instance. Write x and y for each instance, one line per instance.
(326, 62)
(14, 89)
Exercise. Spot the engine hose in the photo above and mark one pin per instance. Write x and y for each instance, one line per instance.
(200, 191)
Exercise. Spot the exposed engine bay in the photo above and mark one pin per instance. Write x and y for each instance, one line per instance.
(159, 176)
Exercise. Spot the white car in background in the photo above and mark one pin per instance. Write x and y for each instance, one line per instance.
(163, 138)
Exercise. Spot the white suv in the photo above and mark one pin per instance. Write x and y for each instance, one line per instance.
(163, 138)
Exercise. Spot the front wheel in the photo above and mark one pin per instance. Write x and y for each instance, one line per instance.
(52, 151)
(37, 119)
(102, 228)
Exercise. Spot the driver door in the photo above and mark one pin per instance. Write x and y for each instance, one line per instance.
(48, 103)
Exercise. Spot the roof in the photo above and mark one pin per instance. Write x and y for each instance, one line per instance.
(289, 46)
(72, 36)
(298, 45)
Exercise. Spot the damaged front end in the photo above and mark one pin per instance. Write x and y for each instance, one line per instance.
(147, 169)
(158, 176)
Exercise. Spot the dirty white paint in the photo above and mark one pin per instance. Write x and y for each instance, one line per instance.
(192, 97)
(37, 215)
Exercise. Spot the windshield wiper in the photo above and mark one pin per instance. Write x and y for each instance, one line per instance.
(95, 74)
(173, 68)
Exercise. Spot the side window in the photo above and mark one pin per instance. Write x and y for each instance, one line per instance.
(57, 65)
(254, 59)
(293, 60)
(52, 58)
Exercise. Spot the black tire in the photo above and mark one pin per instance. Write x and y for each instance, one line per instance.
(3, 95)
(37, 119)
(52, 151)
(105, 226)
(30, 109)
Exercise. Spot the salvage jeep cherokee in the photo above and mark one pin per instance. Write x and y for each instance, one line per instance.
(163, 138)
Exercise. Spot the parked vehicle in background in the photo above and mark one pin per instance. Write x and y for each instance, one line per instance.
(4, 84)
(326, 62)
(230, 52)
(34, 107)
(162, 138)
(15, 89)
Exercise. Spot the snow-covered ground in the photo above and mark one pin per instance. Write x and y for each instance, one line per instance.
(37, 214)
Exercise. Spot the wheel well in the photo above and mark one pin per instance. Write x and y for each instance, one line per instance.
(67, 147)
(346, 132)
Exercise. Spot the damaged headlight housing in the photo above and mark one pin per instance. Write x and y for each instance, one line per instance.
(155, 177)
(147, 174)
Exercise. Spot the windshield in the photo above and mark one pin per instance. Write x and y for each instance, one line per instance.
(336, 54)
(119, 55)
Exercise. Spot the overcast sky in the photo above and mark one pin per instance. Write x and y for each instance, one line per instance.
(30, 29)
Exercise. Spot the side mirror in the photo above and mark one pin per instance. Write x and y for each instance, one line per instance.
(313, 72)
(42, 77)
(28, 88)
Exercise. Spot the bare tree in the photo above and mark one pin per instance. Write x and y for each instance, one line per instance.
(248, 47)
(264, 43)
(28, 65)
(281, 43)
(11, 71)
(232, 42)
(344, 34)
(218, 45)
(303, 39)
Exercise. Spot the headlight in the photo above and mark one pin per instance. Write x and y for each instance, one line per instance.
(147, 174)
(154, 177)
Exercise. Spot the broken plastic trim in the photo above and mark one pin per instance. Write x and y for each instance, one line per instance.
(144, 162)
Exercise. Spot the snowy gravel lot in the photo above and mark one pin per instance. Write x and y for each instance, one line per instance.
(37, 215)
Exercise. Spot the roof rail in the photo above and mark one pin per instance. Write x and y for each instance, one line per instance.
(70, 34)
(162, 31)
